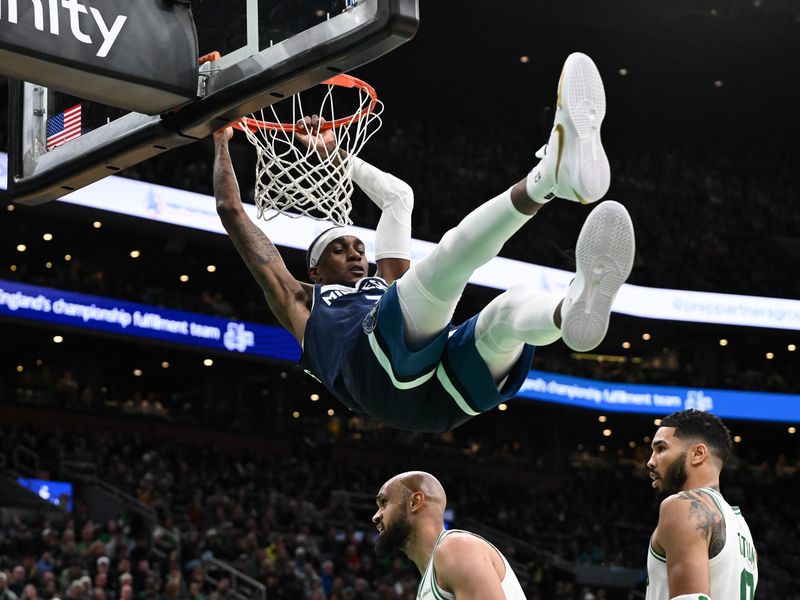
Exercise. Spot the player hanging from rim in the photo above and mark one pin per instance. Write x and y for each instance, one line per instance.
(702, 548)
(384, 345)
(453, 563)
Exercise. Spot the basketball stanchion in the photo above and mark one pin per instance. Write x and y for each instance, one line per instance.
(312, 179)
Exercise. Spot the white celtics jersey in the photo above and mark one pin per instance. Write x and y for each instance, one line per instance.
(734, 571)
(430, 590)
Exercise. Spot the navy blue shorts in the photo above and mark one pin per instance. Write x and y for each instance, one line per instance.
(434, 388)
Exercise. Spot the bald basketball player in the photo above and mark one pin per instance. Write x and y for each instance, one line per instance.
(453, 564)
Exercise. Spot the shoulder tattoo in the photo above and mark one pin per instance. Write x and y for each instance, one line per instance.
(708, 521)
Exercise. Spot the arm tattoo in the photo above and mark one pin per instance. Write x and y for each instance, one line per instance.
(262, 258)
(708, 521)
(253, 245)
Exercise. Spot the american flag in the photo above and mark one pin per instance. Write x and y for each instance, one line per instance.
(64, 127)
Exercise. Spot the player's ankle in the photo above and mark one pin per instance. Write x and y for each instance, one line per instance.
(539, 185)
(521, 201)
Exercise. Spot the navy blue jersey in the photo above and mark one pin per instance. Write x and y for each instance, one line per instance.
(354, 344)
(332, 332)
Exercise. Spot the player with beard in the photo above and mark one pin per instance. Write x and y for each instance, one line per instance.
(454, 563)
(702, 548)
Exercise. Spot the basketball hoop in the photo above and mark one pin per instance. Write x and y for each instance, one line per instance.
(296, 180)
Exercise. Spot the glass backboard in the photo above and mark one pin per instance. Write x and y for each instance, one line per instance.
(270, 50)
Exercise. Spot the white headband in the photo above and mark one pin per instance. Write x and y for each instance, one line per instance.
(324, 240)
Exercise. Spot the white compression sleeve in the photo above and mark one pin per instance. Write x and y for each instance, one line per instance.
(395, 198)
(692, 597)
(428, 293)
(518, 316)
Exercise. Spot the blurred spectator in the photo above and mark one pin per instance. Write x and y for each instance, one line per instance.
(5, 592)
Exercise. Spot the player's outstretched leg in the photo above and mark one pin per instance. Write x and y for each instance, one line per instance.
(574, 165)
(604, 259)
(522, 315)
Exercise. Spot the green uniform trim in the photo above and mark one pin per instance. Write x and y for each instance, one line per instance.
(656, 555)
(435, 586)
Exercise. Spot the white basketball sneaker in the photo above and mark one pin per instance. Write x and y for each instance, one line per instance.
(573, 163)
(604, 259)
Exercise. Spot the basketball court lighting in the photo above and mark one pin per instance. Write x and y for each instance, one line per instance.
(68, 257)
(284, 375)
(723, 342)
(211, 268)
(10, 208)
(13, 268)
(20, 368)
(58, 339)
(314, 397)
(623, 72)
(165, 365)
(626, 345)
(208, 362)
(602, 448)
(184, 278)
(137, 372)
(47, 237)
(737, 439)
(502, 407)
(296, 414)
(791, 347)
(331, 412)
(97, 224)
(657, 422)
(631, 444)
(646, 439)
(646, 337)
(718, 83)
(524, 59)
(38, 362)
(607, 433)
(135, 254)
(770, 355)
(21, 247)
(792, 430)
(48, 265)
(602, 419)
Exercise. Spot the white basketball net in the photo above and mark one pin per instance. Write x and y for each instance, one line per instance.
(296, 180)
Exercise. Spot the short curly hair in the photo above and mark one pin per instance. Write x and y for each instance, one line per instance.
(703, 426)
